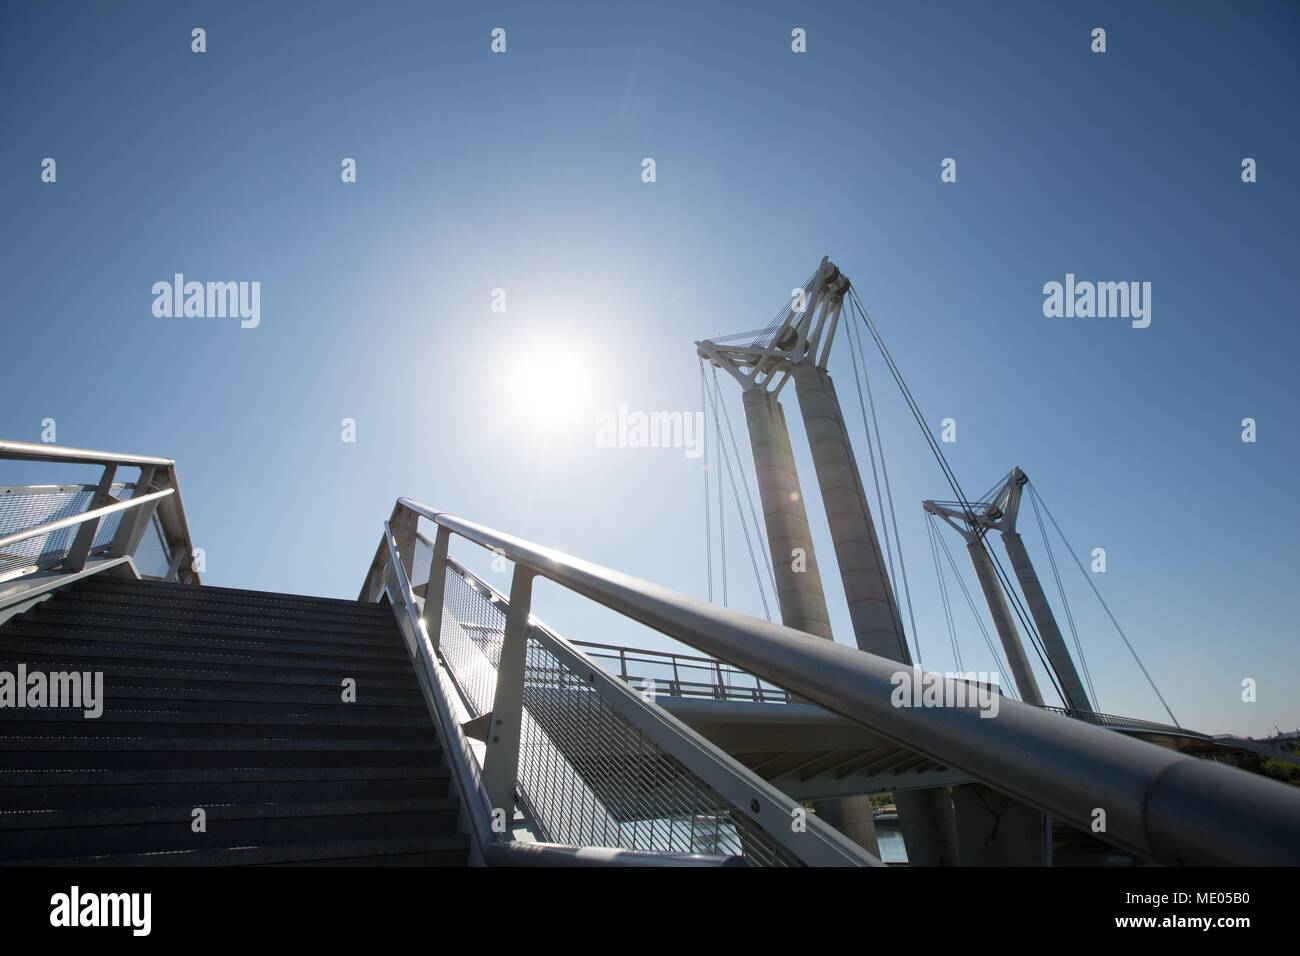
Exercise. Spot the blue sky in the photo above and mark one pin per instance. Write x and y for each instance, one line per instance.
(522, 171)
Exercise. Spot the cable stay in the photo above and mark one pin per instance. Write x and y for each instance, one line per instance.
(943, 593)
(1127, 643)
(859, 380)
(979, 620)
(744, 482)
(1065, 603)
(708, 524)
(715, 399)
(950, 476)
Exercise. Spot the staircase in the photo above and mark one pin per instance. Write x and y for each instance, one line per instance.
(230, 701)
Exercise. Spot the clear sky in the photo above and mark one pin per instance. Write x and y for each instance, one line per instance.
(523, 171)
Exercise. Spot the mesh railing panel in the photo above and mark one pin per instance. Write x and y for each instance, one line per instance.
(678, 675)
(23, 508)
(587, 776)
(473, 628)
(153, 556)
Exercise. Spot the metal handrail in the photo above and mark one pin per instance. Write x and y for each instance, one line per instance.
(492, 791)
(1132, 723)
(30, 451)
(155, 501)
(1158, 804)
(718, 689)
(475, 808)
(93, 514)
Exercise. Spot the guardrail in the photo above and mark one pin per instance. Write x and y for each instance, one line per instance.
(589, 770)
(50, 534)
(1159, 805)
(684, 675)
(1125, 723)
(689, 675)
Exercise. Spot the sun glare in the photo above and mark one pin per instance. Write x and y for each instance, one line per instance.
(549, 385)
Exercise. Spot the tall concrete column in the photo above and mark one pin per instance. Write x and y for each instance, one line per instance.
(1005, 624)
(799, 593)
(1076, 698)
(873, 609)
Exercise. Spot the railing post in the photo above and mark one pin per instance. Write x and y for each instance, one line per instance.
(179, 554)
(404, 524)
(501, 762)
(131, 528)
(85, 539)
(436, 588)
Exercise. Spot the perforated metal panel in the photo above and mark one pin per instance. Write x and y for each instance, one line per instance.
(23, 508)
(26, 507)
(587, 776)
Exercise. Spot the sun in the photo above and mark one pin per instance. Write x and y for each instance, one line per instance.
(550, 385)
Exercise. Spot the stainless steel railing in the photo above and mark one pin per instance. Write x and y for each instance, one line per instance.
(1158, 804)
(684, 675)
(570, 756)
(689, 675)
(52, 533)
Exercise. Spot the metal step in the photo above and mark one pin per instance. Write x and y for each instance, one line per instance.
(106, 787)
(133, 611)
(208, 592)
(447, 849)
(200, 675)
(230, 701)
(148, 596)
(154, 829)
(193, 637)
(20, 648)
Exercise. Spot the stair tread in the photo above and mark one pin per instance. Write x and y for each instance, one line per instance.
(284, 853)
(307, 641)
(216, 812)
(98, 776)
(121, 742)
(114, 715)
(91, 650)
(231, 701)
(108, 583)
(86, 611)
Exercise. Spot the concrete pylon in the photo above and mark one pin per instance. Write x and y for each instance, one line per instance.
(996, 599)
(873, 609)
(799, 592)
(1076, 698)
(877, 626)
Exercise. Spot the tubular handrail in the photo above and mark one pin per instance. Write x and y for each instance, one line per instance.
(718, 689)
(474, 803)
(759, 810)
(31, 451)
(154, 508)
(93, 514)
(1160, 805)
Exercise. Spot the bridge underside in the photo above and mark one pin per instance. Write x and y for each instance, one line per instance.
(811, 753)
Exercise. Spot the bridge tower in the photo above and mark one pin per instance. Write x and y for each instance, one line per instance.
(796, 345)
(973, 532)
(1000, 514)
